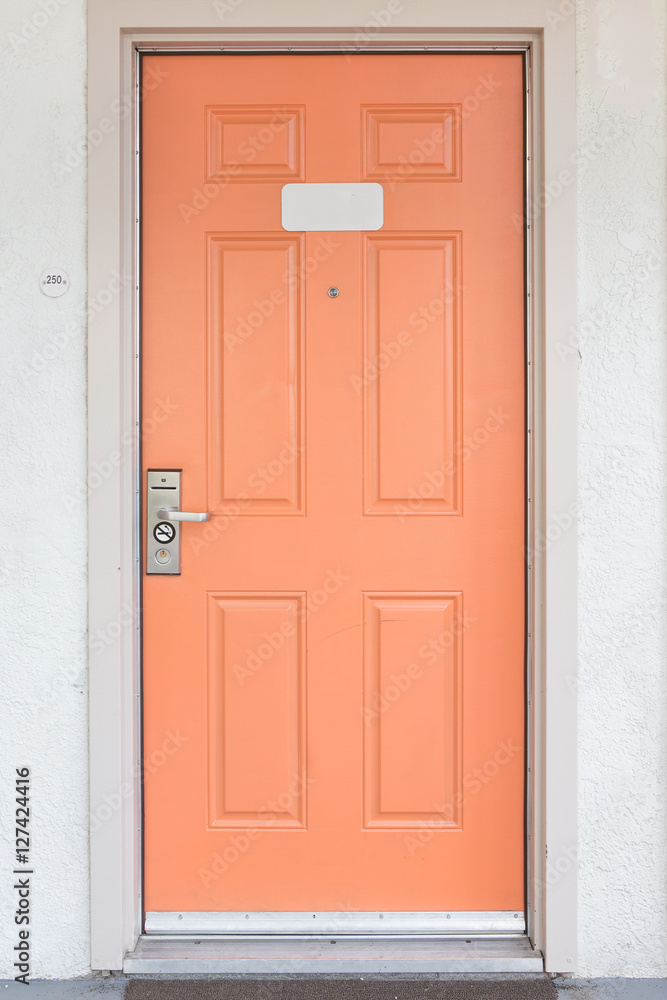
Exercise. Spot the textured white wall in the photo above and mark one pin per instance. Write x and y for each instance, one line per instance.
(43, 536)
(621, 337)
(622, 399)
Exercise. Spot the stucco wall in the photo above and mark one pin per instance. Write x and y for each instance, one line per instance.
(622, 400)
(622, 687)
(43, 536)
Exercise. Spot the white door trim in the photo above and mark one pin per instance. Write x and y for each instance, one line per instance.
(115, 32)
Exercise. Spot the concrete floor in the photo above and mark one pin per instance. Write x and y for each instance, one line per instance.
(506, 987)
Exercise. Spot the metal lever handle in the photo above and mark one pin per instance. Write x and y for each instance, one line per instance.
(171, 514)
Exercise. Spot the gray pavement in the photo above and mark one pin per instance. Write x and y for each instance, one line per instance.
(612, 989)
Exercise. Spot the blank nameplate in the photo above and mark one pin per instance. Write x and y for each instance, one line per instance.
(328, 207)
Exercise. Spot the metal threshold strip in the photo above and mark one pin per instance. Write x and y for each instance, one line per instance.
(280, 955)
(303, 923)
(288, 943)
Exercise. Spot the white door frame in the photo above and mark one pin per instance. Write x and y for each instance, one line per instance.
(116, 30)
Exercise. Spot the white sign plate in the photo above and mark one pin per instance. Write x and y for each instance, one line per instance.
(332, 207)
(54, 282)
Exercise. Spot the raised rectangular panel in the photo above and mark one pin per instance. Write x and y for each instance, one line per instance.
(255, 143)
(256, 710)
(412, 142)
(412, 711)
(256, 388)
(411, 374)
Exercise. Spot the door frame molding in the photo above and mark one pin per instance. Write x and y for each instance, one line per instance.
(115, 33)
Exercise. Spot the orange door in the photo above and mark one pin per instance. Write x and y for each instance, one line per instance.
(338, 671)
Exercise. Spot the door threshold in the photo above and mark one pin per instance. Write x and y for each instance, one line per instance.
(279, 954)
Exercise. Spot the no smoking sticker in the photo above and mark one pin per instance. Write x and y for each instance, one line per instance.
(164, 532)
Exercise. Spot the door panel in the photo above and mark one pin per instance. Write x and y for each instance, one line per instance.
(247, 384)
(412, 409)
(342, 655)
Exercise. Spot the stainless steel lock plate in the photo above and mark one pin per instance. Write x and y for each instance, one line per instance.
(163, 537)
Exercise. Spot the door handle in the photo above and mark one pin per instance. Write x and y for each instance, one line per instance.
(172, 514)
